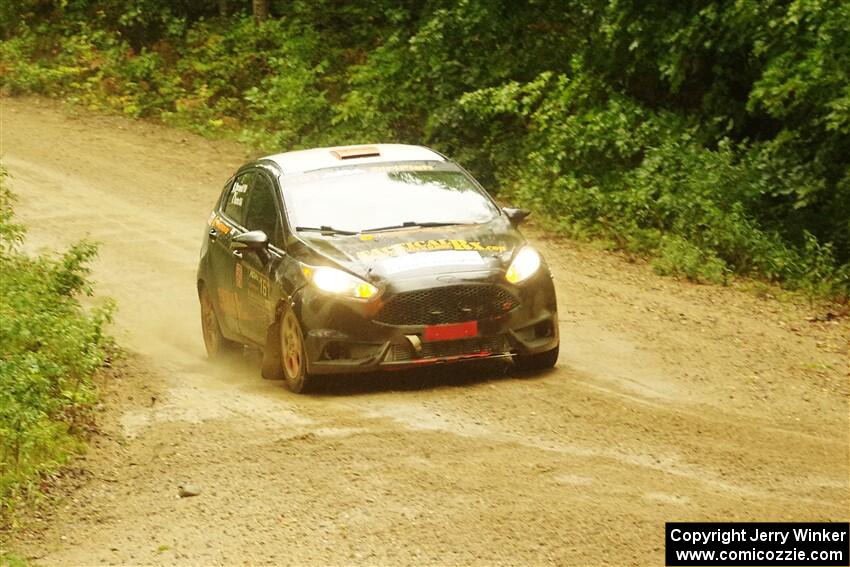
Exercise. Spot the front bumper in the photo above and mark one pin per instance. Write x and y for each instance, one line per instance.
(348, 336)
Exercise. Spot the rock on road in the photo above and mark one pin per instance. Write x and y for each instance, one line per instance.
(670, 402)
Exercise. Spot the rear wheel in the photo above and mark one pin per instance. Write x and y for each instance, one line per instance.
(539, 361)
(214, 341)
(292, 357)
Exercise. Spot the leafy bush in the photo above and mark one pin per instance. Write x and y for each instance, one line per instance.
(50, 349)
(678, 257)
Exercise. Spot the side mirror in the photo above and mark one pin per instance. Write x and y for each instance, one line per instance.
(516, 216)
(254, 240)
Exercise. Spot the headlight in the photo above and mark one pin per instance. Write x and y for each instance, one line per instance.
(525, 264)
(336, 281)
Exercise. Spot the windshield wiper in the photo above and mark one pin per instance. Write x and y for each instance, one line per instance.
(328, 230)
(409, 224)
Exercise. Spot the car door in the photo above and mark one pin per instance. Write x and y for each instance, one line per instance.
(256, 295)
(225, 272)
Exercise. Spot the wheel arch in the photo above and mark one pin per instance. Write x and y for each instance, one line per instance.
(271, 365)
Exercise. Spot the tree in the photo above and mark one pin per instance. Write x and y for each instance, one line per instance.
(261, 10)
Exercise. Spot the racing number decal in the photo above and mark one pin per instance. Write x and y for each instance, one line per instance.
(258, 283)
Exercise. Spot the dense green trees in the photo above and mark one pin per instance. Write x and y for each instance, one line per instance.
(714, 135)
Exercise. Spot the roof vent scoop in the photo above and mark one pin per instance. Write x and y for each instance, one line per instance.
(357, 152)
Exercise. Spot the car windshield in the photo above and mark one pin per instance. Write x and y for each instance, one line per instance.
(358, 198)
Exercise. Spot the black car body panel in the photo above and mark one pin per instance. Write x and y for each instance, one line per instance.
(428, 279)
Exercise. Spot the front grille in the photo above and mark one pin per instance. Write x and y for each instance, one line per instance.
(452, 304)
(440, 349)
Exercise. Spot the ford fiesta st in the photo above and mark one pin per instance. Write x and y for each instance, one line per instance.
(357, 259)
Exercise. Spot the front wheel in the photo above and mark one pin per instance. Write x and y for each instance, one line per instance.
(292, 357)
(539, 361)
(214, 341)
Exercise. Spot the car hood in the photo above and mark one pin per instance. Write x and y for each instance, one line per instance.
(412, 252)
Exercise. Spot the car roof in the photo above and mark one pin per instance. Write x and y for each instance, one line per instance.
(301, 161)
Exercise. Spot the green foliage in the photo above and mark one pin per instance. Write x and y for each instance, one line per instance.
(50, 350)
(678, 257)
(699, 132)
(11, 233)
(11, 560)
(605, 166)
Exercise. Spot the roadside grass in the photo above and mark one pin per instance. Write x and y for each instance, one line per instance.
(50, 350)
(801, 293)
(8, 559)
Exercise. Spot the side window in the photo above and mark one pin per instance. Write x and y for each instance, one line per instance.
(234, 203)
(262, 210)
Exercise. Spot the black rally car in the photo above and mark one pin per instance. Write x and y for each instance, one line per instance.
(363, 258)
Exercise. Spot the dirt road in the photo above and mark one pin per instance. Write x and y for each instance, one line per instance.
(671, 401)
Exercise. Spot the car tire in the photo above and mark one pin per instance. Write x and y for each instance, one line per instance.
(272, 368)
(539, 361)
(214, 341)
(293, 360)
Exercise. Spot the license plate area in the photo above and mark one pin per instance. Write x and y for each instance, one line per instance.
(451, 331)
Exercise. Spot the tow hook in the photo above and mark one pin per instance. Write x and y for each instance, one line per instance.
(416, 343)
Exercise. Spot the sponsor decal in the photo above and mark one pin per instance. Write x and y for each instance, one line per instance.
(432, 259)
(398, 167)
(238, 275)
(237, 194)
(220, 226)
(258, 283)
(428, 246)
(312, 176)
